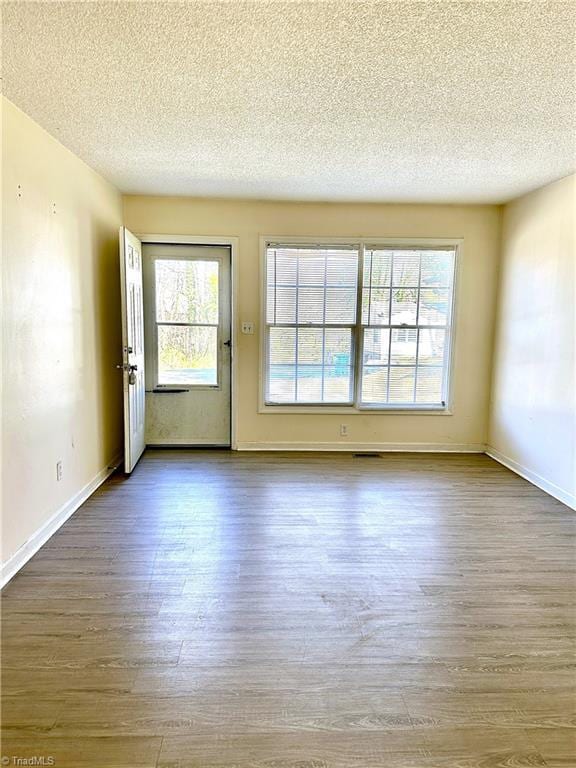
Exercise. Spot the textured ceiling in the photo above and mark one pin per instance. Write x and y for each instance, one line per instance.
(392, 101)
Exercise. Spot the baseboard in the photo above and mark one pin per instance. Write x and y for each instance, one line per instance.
(11, 567)
(540, 482)
(354, 447)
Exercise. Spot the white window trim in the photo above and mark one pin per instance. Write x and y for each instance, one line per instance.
(384, 409)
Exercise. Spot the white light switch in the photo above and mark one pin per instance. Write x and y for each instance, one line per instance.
(248, 328)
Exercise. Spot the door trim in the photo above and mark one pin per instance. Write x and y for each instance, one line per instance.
(233, 244)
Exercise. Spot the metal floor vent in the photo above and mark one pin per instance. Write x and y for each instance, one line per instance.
(371, 455)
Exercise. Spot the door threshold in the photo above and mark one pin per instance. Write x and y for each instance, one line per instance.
(188, 446)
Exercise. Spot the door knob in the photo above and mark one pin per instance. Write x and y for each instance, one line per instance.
(131, 370)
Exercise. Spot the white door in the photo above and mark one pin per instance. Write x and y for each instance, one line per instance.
(188, 344)
(132, 348)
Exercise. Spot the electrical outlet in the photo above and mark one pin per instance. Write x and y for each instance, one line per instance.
(58, 471)
(248, 328)
(343, 430)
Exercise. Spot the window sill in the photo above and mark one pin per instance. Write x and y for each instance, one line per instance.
(327, 410)
(184, 388)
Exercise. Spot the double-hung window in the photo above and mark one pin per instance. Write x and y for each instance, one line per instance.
(362, 325)
(311, 301)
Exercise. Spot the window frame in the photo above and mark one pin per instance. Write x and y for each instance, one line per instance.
(155, 324)
(357, 406)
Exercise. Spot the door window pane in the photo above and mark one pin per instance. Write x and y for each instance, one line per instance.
(187, 355)
(186, 291)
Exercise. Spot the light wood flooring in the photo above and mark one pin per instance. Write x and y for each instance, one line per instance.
(298, 611)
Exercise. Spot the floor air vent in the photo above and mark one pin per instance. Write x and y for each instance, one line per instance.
(367, 455)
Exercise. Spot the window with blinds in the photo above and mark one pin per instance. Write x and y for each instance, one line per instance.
(406, 309)
(311, 298)
(359, 325)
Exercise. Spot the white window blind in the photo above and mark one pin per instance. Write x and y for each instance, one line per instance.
(406, 320)
(380, 343)
(311, 298)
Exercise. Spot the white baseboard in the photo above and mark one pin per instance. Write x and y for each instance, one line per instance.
(362, 447)
(545, 485)
(11, 567)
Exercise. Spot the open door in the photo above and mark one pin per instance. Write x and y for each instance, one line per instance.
(132, 348)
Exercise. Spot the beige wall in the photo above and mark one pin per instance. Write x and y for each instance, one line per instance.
(533, 415)
(61, 325)
(61, 393)
(478, 225)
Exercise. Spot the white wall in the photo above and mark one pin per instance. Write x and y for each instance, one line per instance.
(533, 408)
(61, 330)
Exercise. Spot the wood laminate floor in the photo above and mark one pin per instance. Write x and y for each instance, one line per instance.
(298, 611)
